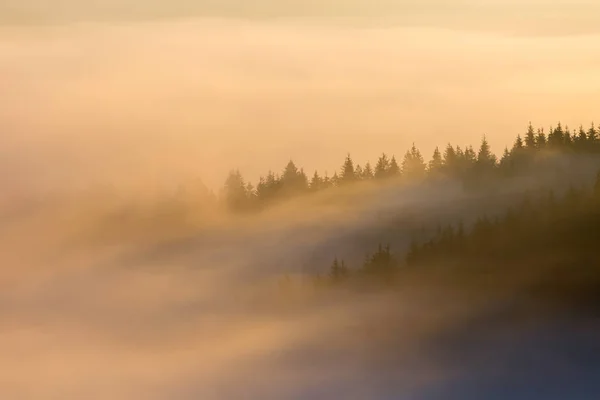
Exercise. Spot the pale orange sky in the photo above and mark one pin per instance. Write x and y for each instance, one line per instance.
(160, 100)
(94, 93)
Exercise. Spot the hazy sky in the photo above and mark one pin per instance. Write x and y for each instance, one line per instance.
(417, 11)
(156, 90)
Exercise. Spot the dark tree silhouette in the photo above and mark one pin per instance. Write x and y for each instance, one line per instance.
(316, 183)
(368, 172)
(413, 164)
(348, 175)
(540, 139)
(382, 167)
(436, 164)
(394, 169)
(473, 169)
(530, 138)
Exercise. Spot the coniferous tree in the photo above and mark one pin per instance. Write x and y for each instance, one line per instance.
(293, 180)
(335, 179)
(580, 141)
(290, 173)
(358, 172)
(327, 183)
(486, 160)
(465, 164)
(273, 184)
(469, 159)
(382, 263)
(338, 270)
(435, 164)
(567, 138)
(413, 164)
(506, 161)
(540, 139)
(261, 189)
(593, 140)
(518, 155)
(394, 169)
(518, 146)
(316, 183)
(530, 138)
(235, 191)
(368, 172)
(348, 175)
(382, 167)
(302, 181)
(451, 160)
(556, 137)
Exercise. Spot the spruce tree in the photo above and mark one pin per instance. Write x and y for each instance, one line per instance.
(469, 157)
(580, 141)
(261, 189)
(518, 144)
(338, 270)
(348, 175)
(302, 181)
(316, 183)
(593, 142)
(335, 179)
(394, 169)
(235, 191)
(368, 172)
(436, 164)
(381, 169)
(451, 160)
(567, 138)
(413, 164)
(518, 155)
(505, 161)
(540, 139)
(290, 173)
(486, 160)
(556, 137)
(273, 184)
(327, 181)
(358, 172)
(530, 138)
(293, 180)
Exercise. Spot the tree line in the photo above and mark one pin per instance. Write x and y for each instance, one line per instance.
(469, 165)
(540, 228)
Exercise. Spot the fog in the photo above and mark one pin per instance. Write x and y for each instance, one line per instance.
(103, 303)
(104, 294)
(157, 102)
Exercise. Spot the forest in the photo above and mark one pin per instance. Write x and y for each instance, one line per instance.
(542, 228)
(473, 167)
(551, 235)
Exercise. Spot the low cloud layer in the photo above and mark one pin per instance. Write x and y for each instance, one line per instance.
(199, 311)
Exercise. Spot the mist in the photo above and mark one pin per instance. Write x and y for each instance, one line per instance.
(197, 308)
(155, 102)
(107, 290)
